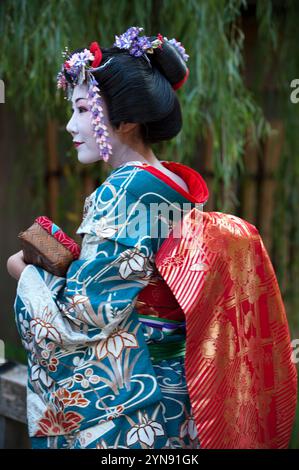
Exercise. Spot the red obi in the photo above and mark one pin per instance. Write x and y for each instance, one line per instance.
(157, 300)
(242, 379)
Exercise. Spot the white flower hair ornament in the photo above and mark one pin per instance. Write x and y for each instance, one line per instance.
(78, 70)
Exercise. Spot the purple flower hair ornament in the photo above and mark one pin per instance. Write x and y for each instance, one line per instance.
(136, 45)
(180, 48)
(141, 45)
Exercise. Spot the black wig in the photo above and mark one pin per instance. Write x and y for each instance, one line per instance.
(143, 91)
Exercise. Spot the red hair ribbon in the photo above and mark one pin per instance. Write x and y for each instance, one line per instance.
(178, 85)
(95, 49)
(161, 39)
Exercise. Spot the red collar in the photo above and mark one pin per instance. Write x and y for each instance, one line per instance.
(198, 190)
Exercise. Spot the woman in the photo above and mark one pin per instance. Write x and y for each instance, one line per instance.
(106, 345)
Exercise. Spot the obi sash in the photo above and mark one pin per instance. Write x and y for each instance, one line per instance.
(241, 378)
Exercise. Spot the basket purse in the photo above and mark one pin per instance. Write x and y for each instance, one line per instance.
(44, 244)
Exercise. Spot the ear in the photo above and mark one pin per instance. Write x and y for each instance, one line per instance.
(126, 127)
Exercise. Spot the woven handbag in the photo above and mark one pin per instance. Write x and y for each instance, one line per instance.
(44, 244)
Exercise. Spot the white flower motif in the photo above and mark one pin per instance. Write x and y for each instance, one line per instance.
(73, 303)
(115, 344)
(42, 329)
(188, 428)
(37, 373)
(134, 261)
(102, 228)
(145, 432)
(80, 58)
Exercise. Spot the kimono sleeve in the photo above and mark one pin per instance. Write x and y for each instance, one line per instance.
(100, 288)
(82, 333)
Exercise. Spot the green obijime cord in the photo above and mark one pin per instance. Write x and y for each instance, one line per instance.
(160, 351)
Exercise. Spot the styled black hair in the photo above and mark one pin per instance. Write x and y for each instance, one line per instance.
(139, 90)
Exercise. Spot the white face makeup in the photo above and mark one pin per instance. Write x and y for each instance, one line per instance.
(80, 126)
(81, 129)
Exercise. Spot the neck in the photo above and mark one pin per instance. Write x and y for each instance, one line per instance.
(136, 152)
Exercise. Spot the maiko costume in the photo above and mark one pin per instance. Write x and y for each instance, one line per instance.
(158, 338)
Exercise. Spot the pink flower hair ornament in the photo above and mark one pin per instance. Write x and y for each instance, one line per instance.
(78, 69)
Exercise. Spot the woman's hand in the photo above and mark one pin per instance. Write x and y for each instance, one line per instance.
(16, 265)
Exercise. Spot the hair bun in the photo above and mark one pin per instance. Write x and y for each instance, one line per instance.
(171, 60)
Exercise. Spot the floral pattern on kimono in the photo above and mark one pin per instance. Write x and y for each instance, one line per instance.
(89, 365)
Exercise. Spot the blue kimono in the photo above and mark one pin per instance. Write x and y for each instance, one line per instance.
(99, 374)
